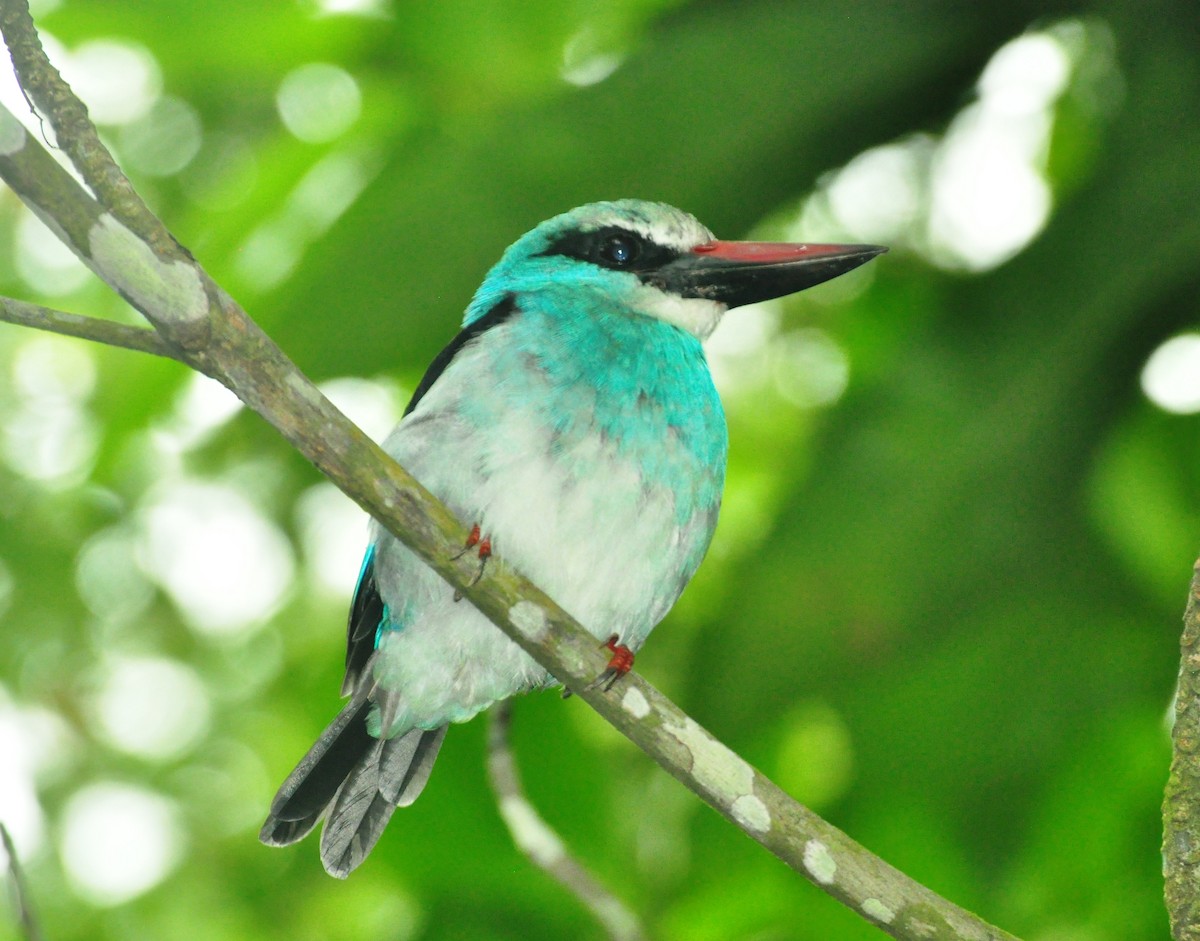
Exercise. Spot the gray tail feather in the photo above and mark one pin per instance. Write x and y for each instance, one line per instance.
(311, 786)
(392, 775)
(363, 777)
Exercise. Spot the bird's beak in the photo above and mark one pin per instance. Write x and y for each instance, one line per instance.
(738, 273)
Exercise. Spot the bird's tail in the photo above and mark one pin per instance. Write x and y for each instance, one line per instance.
(364, 779)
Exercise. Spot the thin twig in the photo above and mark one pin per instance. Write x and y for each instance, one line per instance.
(86, 328)
(537, 840)
(19, 890)
(177, 291)
(73, 130)
(1181, 804)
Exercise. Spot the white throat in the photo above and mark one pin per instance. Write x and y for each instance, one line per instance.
(697, 315)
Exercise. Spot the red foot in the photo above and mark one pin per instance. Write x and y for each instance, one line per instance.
(472, 541)
(620, 664)
(483, 546)
(622, 656)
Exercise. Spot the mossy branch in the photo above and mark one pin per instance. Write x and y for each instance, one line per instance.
(1181, 804)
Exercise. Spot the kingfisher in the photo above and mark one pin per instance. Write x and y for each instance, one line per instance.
(573, 422)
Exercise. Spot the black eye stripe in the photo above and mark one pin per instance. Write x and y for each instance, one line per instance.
(612, 247)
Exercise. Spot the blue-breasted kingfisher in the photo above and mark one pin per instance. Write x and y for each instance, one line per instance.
(574, 422)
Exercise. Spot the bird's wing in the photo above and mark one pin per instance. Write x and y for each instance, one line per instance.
(367, 614)
(368, 611)
(501, 311)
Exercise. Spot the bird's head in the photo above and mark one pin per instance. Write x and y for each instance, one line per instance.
(658, 261)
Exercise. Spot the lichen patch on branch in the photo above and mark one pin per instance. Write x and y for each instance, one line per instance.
(529, 619)
(635, 703)
(873, 908)
(172, 290)
(714, 766)
(819, 863)
(752, 813)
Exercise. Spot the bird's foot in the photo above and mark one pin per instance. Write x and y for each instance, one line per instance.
(620, 664)
(483, 546)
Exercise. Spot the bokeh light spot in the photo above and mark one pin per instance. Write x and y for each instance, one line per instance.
(164, 140)
(371, 8)
(222, 562)
(373, 405)
(809, 368)
(118, 80)
(108, 578)
(816, 756)
(118, 841)
(738, 350)
(202, 407)
(989, 192)
(49, 436)
(333, 532)
(1026, 75)
(52, 369)
(151, 707)
(586, 61)
(877, 195)
(44, 262)
(269, 255)
(31, 740)
(318, 102)
(1171, 376)
(989, 195)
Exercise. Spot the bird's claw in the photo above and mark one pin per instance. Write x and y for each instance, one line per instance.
(620, 664)
(483, 545)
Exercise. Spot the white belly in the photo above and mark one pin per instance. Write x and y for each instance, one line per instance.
(580, 523)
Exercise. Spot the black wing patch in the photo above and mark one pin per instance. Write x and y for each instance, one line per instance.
(504, 309)
(367, 613)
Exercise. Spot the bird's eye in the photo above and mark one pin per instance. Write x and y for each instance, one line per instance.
(620, 251)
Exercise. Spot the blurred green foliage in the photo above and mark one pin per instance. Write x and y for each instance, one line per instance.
(943, 603)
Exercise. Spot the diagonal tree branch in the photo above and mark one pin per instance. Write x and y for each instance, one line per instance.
(210, 332)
